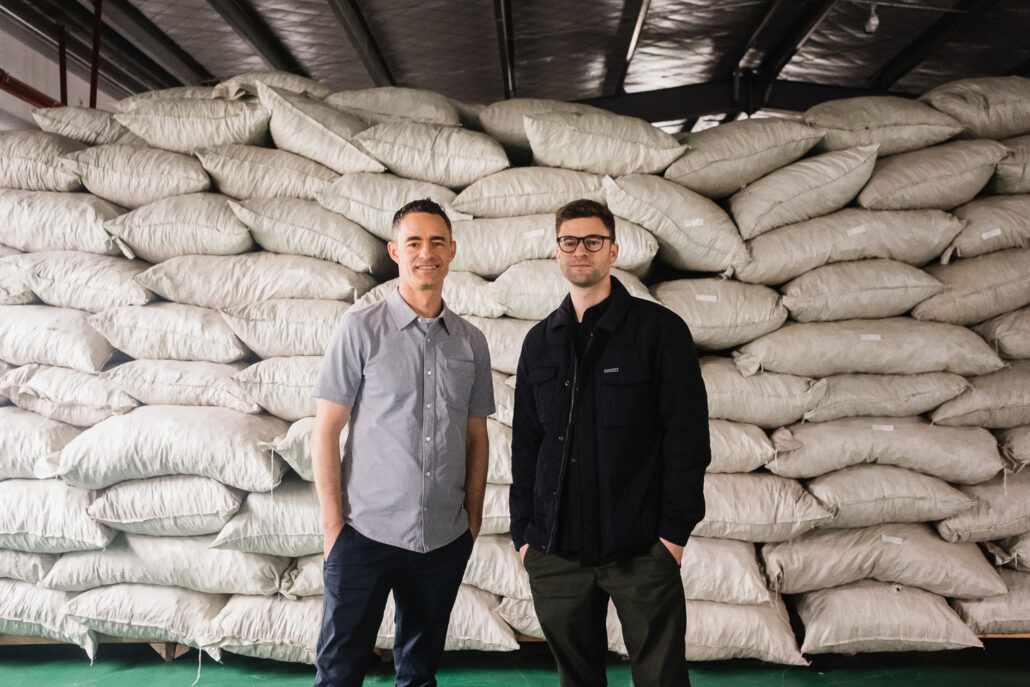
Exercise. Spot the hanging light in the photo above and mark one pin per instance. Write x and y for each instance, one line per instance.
(873, 22)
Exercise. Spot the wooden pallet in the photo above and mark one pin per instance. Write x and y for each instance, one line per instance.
(519, 637)
(169, 651)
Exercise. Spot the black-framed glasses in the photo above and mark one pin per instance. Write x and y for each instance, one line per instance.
(592, 243)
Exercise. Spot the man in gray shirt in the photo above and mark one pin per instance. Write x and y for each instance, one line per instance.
(401, 509)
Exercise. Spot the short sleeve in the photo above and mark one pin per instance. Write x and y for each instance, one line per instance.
(481, 403)
(339, 378)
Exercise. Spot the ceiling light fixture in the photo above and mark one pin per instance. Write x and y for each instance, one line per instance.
(873, 22)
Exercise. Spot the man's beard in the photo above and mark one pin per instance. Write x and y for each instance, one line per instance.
(583, 280)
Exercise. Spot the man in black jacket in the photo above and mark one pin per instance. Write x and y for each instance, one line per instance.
(609, 449)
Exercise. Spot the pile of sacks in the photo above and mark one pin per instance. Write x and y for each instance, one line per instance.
(856, 284)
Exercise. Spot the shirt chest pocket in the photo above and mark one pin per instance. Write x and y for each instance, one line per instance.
(624, 395)
(456, 379)
(545, 390)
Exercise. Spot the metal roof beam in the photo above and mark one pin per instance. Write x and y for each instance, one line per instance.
(251, 27)
(774, 6)
(717, 97)
(637, 11)
(353, 22)
(20, 89)
(738, 69)
(123, 66)
(929, 42)
(506, 46)
(798, 96)
(117, 52)
(128, 21)
(797, 36)
(667, 104)
(1021, 69)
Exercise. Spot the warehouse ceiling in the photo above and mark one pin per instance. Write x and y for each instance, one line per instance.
(665, 60)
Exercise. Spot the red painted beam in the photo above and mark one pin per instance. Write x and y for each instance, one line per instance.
(62, 62)
(22, 90)
(94, 72)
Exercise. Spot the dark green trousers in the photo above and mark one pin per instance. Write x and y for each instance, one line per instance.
(572, 604)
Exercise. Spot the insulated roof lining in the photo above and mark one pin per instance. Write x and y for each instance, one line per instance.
(691, 41)
(840, 52)
(200, 31)
(569, 50)
(687, 50)
(994, 44)
(311, 32)
(439, 45)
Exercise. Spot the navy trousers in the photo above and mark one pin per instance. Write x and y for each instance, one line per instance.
(359, 575)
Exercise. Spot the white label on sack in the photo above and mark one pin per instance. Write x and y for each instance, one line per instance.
(892, 540)
(694, 222)
(860, 229)
(883, 428)
(870, 337)
(706, 298)
(533, 234)
(990, 234)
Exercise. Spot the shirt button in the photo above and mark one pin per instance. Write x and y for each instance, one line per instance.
(428, 474)
(429, 405)
(427, 438)
(429, 372)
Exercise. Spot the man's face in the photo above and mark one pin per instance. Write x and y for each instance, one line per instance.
(423, 250)
(582, 267)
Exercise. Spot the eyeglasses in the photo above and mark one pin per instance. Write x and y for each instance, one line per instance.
(592, 243)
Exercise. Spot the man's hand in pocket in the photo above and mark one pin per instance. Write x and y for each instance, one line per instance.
(329, 538)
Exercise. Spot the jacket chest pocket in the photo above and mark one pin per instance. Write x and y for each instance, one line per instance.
(456, 379)
(545, 392)
(624, 395)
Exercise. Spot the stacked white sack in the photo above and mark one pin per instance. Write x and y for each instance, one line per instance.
(318, 139)
(186, 354)
(895, 475)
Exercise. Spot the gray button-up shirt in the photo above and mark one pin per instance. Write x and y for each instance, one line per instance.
(412, 384)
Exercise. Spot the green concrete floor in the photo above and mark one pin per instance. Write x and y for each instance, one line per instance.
(1005, 663)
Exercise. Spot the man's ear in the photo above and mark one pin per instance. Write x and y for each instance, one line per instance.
(454, 248)
(391, 248)
(614, 254)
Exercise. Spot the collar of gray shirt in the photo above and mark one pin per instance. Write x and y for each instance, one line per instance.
(403, 314)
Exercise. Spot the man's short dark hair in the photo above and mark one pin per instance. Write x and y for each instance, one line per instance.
(579, 209)
(424, 205)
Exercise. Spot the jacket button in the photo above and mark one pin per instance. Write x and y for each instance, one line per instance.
(566, 384)
(561, 438)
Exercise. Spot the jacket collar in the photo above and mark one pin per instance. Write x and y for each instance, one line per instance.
(402, 314)
(620, 300)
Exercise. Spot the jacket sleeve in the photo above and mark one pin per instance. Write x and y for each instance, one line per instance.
(526, 435)
(686, 447)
